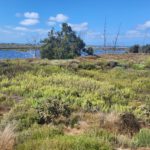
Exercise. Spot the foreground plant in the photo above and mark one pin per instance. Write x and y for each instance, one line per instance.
(7, 138)
(142, 139)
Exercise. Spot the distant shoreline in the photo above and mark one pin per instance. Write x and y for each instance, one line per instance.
(21, 47)
(32, 48)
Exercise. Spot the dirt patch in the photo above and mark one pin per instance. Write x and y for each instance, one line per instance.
(80, 129)
(3, 110)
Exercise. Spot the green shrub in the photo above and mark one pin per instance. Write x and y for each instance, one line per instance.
(66, 143)
(140, 49)
(37, 132)
(139, 66)
(2, 98)
(22, 116)
(128, 124)
(134, 49)
(101, 134)
(142, 139)
(87, 65)
(53, 111)
(147, 64)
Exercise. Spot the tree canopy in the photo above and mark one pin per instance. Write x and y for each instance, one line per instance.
(63, 44)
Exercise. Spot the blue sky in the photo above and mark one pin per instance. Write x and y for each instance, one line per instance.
(21, 20)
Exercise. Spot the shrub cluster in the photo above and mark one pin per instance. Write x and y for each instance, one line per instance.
(140, 49)
(63, 45)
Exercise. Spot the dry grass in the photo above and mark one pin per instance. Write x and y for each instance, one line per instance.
(130, 56)
(109, 121)
(124, 141)
(7, 138)
(125, 123)
(77, 130)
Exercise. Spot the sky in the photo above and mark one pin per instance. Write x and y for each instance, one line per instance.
(23, 20)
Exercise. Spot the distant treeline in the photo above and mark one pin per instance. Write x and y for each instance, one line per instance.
(108, 47)
(32, 46)
(18, 46)
(140, 49)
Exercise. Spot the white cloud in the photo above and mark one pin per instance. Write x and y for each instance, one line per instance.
(31, 15)
(59, 18)
(79, 27)
(36, 30)
(31, 18)
(51, 23)
(94, 35)
(40, 31)
(21, 29)
(133, 34)
(5, 31)
(144, 26)
(130, 32)
(28, 22)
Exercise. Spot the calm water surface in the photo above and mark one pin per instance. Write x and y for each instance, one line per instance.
(14, 54)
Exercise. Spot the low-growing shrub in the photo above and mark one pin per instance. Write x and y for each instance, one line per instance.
(128, 124)
(112, 64)
(53, 111)
(142, 139)
(22, 115)
(87, 65)
(101, 134)
(134, 49)
(66, 143)
(37, 132)
(140, 49)
(139, 66)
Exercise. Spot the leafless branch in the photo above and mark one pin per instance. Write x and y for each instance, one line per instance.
(116, 38)
(34, 42)
(105, 39)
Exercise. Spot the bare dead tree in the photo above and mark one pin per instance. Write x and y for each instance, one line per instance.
(116, 38)
(34, 42)
(105, 38)
(145, 37)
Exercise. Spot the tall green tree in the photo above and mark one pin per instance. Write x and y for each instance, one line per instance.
(63, 44)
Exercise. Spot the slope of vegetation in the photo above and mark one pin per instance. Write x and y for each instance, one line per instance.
(91, 103)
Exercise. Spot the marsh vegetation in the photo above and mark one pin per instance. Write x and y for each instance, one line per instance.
(87, 103)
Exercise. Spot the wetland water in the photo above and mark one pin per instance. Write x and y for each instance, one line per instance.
(16, 54)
